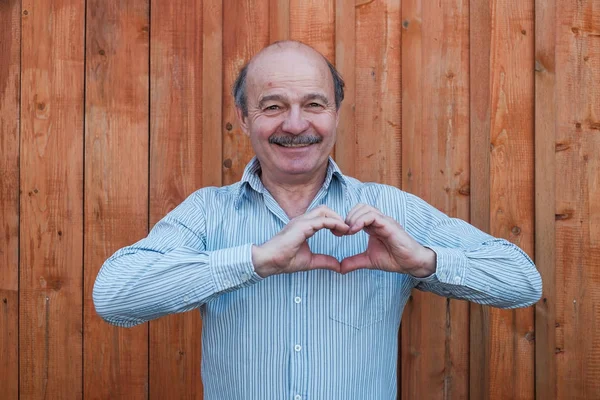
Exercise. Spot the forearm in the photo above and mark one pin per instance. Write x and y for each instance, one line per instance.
(136, 285)
(495, 273)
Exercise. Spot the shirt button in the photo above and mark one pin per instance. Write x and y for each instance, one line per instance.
(457, 279)
(186, 299)
(226, 283)
(297, 397)
(297, 347)
(244, 277)
(297, 300)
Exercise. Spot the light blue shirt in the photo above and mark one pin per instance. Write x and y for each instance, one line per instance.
(315, 335)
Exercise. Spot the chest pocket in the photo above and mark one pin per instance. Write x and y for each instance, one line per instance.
(358, 298)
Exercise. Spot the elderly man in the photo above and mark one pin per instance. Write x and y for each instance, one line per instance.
(300, 272)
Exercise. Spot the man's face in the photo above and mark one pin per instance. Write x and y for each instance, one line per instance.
(292, 117)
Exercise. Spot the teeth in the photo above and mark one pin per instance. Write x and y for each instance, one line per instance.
(295, 145)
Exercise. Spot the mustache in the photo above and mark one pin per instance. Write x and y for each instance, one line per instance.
(292, 140)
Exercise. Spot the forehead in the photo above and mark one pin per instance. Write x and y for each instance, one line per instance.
(292, 70)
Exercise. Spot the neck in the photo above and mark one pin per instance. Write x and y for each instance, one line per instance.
(294, 195)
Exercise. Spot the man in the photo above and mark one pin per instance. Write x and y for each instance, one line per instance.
(300, 272)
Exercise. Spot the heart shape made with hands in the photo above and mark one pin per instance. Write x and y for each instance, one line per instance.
(389, 248)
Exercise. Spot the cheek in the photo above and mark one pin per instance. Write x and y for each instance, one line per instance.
(264, 127)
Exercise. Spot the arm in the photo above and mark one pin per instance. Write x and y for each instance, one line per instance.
(169, 271)
(470, 264)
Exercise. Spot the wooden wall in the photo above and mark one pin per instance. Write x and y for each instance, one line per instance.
(113, 111)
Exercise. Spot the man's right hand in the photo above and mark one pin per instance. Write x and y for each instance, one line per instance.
(288, 251)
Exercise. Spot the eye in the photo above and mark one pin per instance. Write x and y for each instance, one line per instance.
(273, 107)
(315, 105)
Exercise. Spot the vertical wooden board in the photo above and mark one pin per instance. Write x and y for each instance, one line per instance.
(279, 20)
(377, 91)
(345, 59)
(511, 355)
(185, 130)
(545, 202)
(116, 183)
(577, 206)
(51, 182)
(245, 34)
(480, 189)
(313, 22)
(10, 80)
(436, 333)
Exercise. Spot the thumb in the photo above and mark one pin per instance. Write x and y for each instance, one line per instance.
(355, 262)
(322, 261)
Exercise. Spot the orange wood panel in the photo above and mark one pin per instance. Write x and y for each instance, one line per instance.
(577, 199)
(116, 183)
(184, 129)
(10, 80)
(378, 108)
(345, 61)
(545, 200)
(313, 22)
(245, 33)
(279, 20)
(480, 186)
(435, 335)
(511, 356)
(51, 183)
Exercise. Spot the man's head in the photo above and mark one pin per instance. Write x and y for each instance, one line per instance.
(287, 100)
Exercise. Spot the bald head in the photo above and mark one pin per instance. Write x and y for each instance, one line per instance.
(267, 61)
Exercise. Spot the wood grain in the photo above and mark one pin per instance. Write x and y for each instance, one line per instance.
(511, 356)
(51, 204)
(10, 91)
(378, 97)
(279, 20)
(245, 34)
(577, 194)
(180, 135)
(345, 61)
(435, 330)
(313, 22)
(116, 183)
(545, 192)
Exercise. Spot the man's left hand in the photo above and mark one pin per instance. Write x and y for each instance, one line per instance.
(389, 248)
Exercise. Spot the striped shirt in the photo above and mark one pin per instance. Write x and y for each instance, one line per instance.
(307, 335)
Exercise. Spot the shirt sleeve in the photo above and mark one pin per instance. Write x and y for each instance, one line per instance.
(471, 265)
(170, 271)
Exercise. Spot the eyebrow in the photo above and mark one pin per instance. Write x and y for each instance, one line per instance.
(283, 99)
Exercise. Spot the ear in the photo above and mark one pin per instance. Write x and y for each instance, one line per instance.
(337, 118)
(242, 120)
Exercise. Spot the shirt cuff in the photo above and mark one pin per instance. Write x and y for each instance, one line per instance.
(232, 267)
(451, 267)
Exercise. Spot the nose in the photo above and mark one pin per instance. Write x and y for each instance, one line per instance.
(295, 122)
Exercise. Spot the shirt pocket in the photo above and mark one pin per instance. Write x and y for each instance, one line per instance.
(357, 298)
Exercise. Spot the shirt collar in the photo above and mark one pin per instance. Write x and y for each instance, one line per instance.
(251, 179)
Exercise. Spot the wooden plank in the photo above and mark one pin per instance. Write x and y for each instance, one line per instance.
(313, 22)
(116, 183)
(545, 202)
(480, 186)
(378, 109)
(577, 199)
(345, 59)
(245, 33)
(185, 155)
(51, 182)
(511, 356)
(435, 335)
(10, 81)
(279, 20)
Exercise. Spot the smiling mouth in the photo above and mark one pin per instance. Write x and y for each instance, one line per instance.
(293, 144)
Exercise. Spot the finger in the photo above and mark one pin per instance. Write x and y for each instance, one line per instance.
(369, 219)
(322, 211)
(358, 261)
(356, 209)
(322, 261)
(311, 226)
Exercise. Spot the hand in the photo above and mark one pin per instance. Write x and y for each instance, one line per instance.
(389, 248)
(288, 251)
